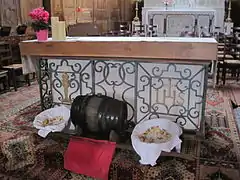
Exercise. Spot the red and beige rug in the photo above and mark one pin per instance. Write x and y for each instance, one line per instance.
(24, 155)
(12, 102)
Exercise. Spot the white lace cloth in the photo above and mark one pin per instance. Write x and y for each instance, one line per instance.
(62, 111)
(29, 64)
(150, 152)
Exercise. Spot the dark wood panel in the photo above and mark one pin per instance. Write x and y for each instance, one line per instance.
(9, 12)
(101, 12)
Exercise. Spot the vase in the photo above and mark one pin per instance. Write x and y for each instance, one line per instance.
(42, 35)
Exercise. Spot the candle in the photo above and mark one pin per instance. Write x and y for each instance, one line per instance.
(54, 21)
(61, 25)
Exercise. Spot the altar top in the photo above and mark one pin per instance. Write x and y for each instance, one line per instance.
(134, 39)
(172, 9)
(147, 48)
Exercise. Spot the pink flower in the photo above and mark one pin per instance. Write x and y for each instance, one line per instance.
(39, 14)
(79, 9)
(168, 2)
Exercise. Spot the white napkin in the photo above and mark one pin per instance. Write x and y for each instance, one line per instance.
(51, 113)
(44, 132)
(150, 152)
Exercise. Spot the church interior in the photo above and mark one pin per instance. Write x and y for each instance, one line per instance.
(119, 89)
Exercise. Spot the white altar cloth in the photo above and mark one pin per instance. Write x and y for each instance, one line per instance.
(133, 39)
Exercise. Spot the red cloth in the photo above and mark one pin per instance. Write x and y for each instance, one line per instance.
(89, 157)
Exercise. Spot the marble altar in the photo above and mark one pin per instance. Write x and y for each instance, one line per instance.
(173, 19)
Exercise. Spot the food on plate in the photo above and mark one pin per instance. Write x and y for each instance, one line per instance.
(52, 121)
(155, 135)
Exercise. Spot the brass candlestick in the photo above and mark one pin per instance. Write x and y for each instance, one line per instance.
(136, 18)
(229, 11)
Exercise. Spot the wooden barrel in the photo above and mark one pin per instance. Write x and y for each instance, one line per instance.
(98, 113)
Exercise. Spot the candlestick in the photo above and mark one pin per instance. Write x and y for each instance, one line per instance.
(136, 18)
(61, 25)
(166, 6)
(167, 3)
(54, 21)
(229, 11)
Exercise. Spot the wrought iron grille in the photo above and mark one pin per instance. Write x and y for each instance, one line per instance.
(151, 90)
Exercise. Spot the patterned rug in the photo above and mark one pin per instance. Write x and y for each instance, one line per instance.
(12, 102)
(26, 156)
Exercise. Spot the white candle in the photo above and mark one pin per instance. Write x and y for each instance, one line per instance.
(54, 21)
(61, 25)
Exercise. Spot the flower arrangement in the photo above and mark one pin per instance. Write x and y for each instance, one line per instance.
(79, 9)
(40, 19)
(168, 2)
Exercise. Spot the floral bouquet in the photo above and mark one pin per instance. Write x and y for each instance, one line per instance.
(168, 2)
(40, 19)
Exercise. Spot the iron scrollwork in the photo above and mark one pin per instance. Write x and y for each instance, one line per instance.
(151, 90)
(70, 78)
(116, 79)
(171, 90)
(44, 83)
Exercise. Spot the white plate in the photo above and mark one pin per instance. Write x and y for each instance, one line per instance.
(149, 152)
(52, 113)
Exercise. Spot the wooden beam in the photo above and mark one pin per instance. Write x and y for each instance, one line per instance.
(195, 51)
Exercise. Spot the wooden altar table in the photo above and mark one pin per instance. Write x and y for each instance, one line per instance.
(157, 77)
